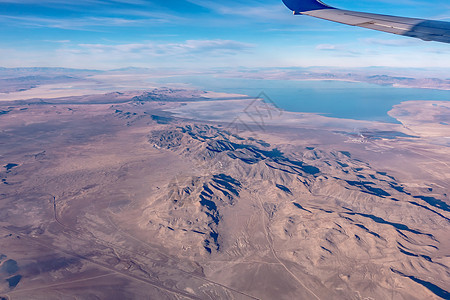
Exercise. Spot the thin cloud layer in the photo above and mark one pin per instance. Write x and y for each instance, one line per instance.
(190, 47)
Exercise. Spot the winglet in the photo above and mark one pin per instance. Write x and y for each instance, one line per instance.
(299, 6)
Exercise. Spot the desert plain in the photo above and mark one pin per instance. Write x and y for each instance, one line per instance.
(182, 194)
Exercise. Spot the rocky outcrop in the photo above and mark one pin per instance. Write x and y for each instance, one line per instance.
(339, 204)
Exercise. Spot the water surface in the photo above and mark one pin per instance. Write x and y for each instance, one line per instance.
(339, 99)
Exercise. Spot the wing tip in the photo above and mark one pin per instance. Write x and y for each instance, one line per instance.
(299, 6)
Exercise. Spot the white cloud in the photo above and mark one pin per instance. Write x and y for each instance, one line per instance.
(190, 47)
(190, 54)
(343, 50)
(398, 42)
(326, 47)
(87, 23)
(57, 41)
(248, 9)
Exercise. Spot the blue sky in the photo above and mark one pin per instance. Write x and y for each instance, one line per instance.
(205, 34)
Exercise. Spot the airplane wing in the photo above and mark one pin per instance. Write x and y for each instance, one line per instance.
(427, 30)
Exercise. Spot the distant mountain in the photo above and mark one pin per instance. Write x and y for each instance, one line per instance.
(131, 69)
(49, 71)
(419, 79)
(23, 83)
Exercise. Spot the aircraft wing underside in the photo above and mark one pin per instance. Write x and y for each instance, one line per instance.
(427, 30)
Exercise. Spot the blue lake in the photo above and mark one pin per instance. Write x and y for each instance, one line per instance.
(339, 99)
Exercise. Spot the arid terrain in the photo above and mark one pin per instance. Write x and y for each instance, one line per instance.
(181, 194)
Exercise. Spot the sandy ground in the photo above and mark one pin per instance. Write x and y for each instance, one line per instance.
(226, 199)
